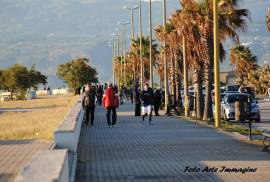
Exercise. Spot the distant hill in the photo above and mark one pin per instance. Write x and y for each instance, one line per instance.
(49, 33)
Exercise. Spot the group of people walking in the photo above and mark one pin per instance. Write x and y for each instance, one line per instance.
(109, 100)
(107, 95)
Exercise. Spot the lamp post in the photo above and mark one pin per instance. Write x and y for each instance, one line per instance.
(164, 59)
(150, 44)
(132, 19)
(124, 48)
(113, 57)
(216, 66)
(118, 55)
(141, 56)
(132, 34)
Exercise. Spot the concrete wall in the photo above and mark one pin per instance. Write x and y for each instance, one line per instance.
(58, 164)
(47, 166)
(68, 133)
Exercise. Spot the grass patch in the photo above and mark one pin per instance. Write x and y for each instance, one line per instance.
(48, 112)
(230, 127)
(239, 128)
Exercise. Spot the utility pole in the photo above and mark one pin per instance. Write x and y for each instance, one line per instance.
(141, 56)
(165, 59)
(150, 44)
(216, 67)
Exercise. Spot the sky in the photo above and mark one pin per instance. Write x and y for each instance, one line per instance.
(51, 32)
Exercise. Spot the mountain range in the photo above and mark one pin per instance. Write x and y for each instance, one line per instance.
(51, 32)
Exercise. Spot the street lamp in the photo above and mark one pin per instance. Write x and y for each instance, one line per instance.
(114, 56)
(164, 60)
(150, 44)
(216, 66)
(124, 48)
(132, 19)
(132, 34)
(140, 30)
(118, 53)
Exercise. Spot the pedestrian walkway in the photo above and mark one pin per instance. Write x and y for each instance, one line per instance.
(133, 151)
(14, 155)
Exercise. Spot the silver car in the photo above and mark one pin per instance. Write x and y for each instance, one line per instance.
(228, 106)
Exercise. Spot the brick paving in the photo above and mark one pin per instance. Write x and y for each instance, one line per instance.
(14, 155)
(133, 151)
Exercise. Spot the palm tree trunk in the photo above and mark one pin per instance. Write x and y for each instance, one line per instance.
(173, 76)
(186, 102)
(197, 81)
(208, 76)
(176, 78)
(207, 39)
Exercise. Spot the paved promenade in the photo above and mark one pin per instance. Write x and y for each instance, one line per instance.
(133, 151)
(14, 155)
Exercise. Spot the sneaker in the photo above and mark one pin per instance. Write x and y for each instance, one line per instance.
(113, 125)
(110, 126)
(151, 123)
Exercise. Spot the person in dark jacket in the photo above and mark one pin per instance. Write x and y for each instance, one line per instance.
(88, 104)
(137, 101)
(157, 100)
(147, 98)
(99, 94)
(131, 93)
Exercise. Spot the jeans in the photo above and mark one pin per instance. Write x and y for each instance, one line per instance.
(108, 115)
(89, 110)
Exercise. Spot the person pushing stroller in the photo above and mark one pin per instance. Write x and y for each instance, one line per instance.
(147, 99)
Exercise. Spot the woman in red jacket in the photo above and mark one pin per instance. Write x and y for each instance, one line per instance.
(110, 101)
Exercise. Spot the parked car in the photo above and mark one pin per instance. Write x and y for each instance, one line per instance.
(232, 88)
(228, 106)
(248, 90)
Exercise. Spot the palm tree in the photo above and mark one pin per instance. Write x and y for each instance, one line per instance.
(118, 69)
(268, 19)
(190, 31)
(195, 20)
(135, 52)
(173, 52)
(244, 61)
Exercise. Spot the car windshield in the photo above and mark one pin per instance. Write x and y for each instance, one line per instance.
(233, 88)
(237, 97)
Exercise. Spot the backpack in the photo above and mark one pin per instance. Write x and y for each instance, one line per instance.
(89, 99)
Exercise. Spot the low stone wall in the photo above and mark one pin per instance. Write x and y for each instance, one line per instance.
(58, 164)
(47, 166)
(68, 133)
